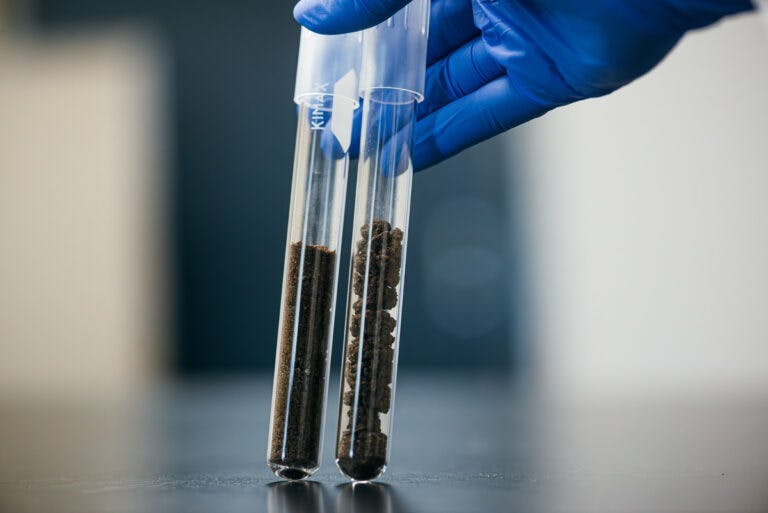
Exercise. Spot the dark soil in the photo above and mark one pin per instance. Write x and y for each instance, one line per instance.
(375, 277)
(300, 388)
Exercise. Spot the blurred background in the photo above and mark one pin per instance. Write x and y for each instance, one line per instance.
(614, 249)
(183, 116)
(146, 166)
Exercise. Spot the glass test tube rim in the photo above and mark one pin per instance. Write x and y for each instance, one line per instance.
(414, 96)
(323, 99)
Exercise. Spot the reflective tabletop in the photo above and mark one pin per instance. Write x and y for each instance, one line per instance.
(462, 443)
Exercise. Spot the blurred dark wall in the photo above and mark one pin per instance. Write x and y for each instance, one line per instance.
(232, 66)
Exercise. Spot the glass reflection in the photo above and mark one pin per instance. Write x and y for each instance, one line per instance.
(296, 497)
(365, 498)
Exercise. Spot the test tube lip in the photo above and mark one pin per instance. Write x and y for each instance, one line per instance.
(394, 95)
(324, 101)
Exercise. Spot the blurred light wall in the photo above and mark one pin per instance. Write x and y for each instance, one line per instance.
(646, 226)
(83, 306)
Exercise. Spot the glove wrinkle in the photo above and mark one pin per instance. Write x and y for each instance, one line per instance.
(494, 64)
(451, 26)
(533, 70)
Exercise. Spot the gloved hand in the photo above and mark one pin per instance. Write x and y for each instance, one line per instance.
(494, 64)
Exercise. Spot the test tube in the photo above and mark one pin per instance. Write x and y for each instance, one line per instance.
(327, 84)
(392, 82)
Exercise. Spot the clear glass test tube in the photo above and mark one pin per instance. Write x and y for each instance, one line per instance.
(327, 96)
(394, 56)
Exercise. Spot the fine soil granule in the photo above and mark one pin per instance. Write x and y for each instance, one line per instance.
(375, 277)
(302, 401)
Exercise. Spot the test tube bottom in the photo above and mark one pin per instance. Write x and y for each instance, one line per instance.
(362, 470)
(291, 473)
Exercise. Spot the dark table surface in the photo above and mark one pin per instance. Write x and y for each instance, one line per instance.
(461, 444)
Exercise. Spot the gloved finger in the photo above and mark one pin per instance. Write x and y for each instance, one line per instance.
(451, 25)
(491, 110)
(462, 72)
(341, 16)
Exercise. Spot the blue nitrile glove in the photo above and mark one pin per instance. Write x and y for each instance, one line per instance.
(494, 64)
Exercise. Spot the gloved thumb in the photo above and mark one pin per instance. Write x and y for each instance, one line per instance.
(341, 16)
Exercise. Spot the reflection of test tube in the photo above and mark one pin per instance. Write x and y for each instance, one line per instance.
(295, 496)
(327, 96)
(363, 497)
(392, 82)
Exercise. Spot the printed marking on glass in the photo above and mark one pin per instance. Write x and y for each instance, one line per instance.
(316, 115)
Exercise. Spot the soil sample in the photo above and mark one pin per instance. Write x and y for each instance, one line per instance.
(375, 277)
(297, 412)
